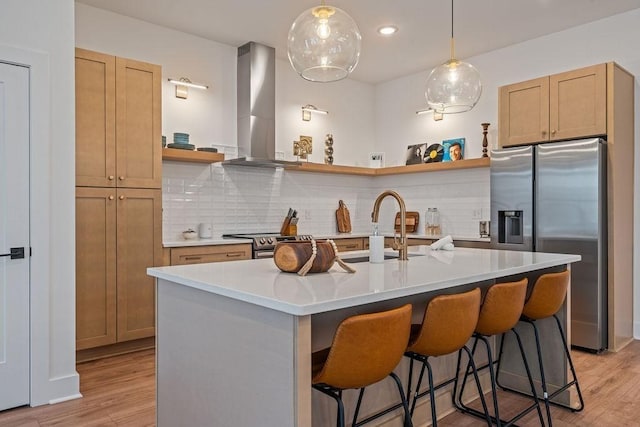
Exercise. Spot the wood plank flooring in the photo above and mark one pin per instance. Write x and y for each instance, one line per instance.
(120, 391)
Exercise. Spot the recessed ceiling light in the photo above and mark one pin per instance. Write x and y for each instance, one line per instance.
(387, 30)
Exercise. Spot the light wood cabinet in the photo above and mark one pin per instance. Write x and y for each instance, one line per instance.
(552, 108)
(118, 236)
(118, 122)
(139, 246)
(95, 267)
(118, 198)
(212, 253)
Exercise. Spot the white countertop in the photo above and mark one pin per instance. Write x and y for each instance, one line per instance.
(220, 241)
(260, 282)
(203, 242)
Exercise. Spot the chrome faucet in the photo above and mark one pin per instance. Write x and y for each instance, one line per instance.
(401, 245)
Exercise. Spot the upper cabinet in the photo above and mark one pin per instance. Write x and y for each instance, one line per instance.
(118, 122)
(562, 106)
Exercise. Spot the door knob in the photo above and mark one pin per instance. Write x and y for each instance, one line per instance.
(15, 253)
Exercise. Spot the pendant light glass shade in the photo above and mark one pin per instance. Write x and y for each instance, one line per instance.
(455, 86)
(324, 44)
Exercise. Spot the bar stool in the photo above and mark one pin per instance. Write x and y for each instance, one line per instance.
(499, 313)
(546, 299)
(365, 349)
(448, 323)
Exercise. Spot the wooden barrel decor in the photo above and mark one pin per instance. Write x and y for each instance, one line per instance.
(290, 256)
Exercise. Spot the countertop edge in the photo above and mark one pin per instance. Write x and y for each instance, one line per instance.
(309, 309)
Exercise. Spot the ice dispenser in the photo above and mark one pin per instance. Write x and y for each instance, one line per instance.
(510, 227)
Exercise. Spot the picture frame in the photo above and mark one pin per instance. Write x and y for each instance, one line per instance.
(376, 159)
(414, 154)
(453, 149)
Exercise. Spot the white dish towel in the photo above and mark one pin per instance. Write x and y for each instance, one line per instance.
(445, 244)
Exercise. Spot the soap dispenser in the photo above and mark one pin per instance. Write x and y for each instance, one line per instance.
(376, 246)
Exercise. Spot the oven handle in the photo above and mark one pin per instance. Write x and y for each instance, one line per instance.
(263, 254)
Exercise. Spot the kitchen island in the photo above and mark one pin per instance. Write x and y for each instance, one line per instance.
(234, 340)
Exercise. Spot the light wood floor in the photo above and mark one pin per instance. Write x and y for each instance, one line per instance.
(120, 391)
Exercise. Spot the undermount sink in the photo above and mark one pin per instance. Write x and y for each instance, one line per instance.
(365, 258)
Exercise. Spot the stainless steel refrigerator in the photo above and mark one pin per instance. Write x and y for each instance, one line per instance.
(552, 198)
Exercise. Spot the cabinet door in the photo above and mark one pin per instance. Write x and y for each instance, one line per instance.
(523, 112)
(95, 119)
(95, 267)
(139, 237)
(577, 103)
(138, 116)
(202, 254)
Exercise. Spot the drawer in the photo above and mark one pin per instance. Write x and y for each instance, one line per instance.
(346, 245)
(202, 254)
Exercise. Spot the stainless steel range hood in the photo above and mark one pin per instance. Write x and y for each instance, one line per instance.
(256, 86)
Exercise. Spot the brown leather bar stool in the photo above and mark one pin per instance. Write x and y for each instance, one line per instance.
(449, 322)
(365, 349)
(546, 299)
(499, 313)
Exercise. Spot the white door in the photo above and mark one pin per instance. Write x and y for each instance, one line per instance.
(14, 234)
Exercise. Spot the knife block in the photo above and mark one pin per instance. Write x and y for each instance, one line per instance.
(290, 230)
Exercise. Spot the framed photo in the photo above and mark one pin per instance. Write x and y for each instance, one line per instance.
(376, 160)
(415, 154)
(453, 149)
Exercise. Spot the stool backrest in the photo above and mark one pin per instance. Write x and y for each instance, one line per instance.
(366, 348)
(502, 307)
(547, 296)
(449, 322)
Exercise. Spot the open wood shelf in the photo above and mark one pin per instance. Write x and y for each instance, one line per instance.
(179, 155)
(393, 170)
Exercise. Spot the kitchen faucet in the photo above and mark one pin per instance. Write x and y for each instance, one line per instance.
(400, 246)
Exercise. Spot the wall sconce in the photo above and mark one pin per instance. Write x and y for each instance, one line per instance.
(182, 86)
(436, 116)
(308, 109)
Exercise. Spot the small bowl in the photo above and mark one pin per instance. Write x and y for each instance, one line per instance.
(189, 235)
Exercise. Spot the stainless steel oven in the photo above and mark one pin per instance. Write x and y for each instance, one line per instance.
(263, 244)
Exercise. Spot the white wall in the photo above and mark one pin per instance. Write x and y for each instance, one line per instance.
(40, 34)
(611, 39)
(210, 116)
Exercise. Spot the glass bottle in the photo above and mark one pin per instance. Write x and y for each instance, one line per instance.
(432, 223)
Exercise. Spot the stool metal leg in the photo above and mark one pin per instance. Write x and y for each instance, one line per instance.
(567, 352)
(337, 395)
(407, 415)
(573, 382)
(458, 402)
(355, 414)
(490, 363)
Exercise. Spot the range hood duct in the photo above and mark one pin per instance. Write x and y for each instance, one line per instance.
(256, 98)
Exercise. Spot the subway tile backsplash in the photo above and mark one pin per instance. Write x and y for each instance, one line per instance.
(245, 199)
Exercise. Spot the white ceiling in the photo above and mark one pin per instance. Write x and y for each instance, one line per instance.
(421, 43)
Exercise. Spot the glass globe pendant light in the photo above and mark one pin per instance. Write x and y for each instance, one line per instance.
(324, 44)
(455, 86)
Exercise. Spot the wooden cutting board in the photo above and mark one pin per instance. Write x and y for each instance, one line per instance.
(343, 219)
(412, 220)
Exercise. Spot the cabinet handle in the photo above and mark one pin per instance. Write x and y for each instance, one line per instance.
(121, 197)
(110, 197)
(354, 246)
(553, 132)
(111, 177)
(234, 255)
(121, 178)
(192, 258)
(544, 132)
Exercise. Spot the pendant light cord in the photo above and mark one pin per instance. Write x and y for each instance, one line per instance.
(452, 42)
